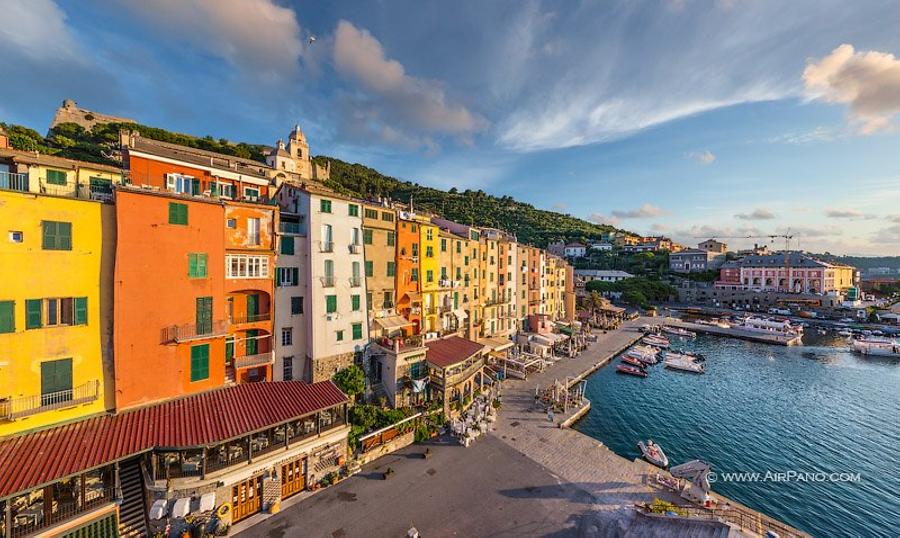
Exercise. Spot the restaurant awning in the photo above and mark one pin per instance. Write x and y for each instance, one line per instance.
(496, 343)
(460, 314)
(393, 322)
(543, 339)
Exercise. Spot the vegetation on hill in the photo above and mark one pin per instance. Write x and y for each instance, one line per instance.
(640, 263)
(529, 224)
(637, 291)
(863, 263)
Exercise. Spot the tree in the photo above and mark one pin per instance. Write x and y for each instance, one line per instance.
(351, 380)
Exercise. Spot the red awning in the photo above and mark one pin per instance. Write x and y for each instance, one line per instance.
(33, 459)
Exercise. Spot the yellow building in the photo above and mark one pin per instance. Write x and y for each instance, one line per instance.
(490, 282)
(56, 265)
(429, 274)
(45, 174)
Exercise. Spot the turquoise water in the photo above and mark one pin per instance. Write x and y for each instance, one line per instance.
(760, 408)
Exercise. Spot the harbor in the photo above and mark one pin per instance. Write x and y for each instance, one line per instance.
(735, 332)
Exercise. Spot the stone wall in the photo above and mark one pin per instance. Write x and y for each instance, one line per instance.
(69, 112)
(325, 368)
(393, 445)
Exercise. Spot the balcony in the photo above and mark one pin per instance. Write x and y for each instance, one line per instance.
(245, 317)
(25, 406)
(177, 334)
(327, 281)
(326, 246)
(355, 281)
(14, 182)
(356, 248)
(294, 228)
(251, 361)
(400, 344)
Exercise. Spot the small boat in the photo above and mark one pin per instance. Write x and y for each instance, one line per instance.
(653, 453)
(684, 364)
(632, 361)
(877, 345)
(630, 370)
(656, 341)
(678, 331)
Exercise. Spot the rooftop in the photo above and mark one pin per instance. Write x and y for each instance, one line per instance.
(33, 459)
(33, 157)
(451, 350)
(795, 259)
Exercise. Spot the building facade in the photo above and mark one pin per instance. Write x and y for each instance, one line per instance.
(695, 260)
(793, 272)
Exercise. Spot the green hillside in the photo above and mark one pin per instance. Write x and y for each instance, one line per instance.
(531, 225)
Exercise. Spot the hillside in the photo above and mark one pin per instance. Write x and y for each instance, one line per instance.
(531, 225)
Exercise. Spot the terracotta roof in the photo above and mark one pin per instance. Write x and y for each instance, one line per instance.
(33, 157)
(452, 350)
(200, 157)
(33, 459)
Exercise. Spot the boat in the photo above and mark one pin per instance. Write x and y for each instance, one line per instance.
(685, 364)
(632, 361)
(653, 453)
(771, 326)
(656, 341)
(630, 370)
(877, 346)
(678, 331)
(645, 354)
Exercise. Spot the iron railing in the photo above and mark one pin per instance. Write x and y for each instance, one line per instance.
(326, 246)
(250, 361)
(355, 281)
(193, 331)
(12, 181)
(355, 248)
(290, 227)
(327, 281)
(245, 317)
(25, 406)
(27, 525)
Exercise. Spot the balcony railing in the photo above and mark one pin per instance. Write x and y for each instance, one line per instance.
(398, 344)
(355, 281)
(327, 281)
(326, 246)
(250, 361)
(356, 248)
(193, 331)
(30, 521)
(290, 228)
(244, 317)
(25, 406)
(14, 182)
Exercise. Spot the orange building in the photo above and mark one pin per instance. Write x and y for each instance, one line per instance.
(409, 296)
(170, 306)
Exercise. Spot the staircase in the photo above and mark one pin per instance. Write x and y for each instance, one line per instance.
(133, 510)
(230, 376)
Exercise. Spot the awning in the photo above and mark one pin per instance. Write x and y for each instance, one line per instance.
(543, 339)
(566, 330)
(393, 322)
(496, 343)
(413, 296)
(460, 314)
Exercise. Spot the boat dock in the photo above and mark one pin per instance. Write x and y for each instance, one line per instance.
(615, 484)
(753, 336)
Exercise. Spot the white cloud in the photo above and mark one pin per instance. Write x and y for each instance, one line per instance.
(37, 29)
(846, 214)
(560, 206)
(819, 134)
(661, 228)
(756, 214)
(643, 212)
(868, 82)
(704, 157)
(600, 218)
(259, 37)
(402, 101)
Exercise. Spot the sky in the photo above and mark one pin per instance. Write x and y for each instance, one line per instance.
(688, 118)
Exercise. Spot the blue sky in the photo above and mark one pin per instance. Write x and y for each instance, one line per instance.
(681, 117)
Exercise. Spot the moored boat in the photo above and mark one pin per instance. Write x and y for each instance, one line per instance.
(678, 331)
(630, 370)
(653, 453)
(656, 341)
(877, 346)
(632, 361)
(684, 363)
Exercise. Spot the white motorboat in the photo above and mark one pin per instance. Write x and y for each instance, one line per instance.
(653, 453)
(761, 325)
(877, 346)
(656, 341)
(684, 363)
(678, 331)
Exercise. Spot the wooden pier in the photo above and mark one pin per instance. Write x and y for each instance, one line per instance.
(753, 336)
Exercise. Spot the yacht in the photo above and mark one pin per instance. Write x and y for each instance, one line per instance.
(762, 325)
(678, 331)
(684, 363)
(875, 345)
(656, 341)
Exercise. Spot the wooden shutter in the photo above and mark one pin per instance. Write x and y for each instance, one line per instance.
(192, 265)
(7, 316)
(56, 376)
(204, 315)
(357, 331)
(81, 316)
(330, 303)
(287, 245)
(295, 276)
(252, 342)
(354, 302)
(201, 265)
(48, 228)
(33, 313)
(252, 306)
(200, 362)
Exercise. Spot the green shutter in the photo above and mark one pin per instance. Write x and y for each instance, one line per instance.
(81, 316)
(296, 305)
(295, 276)
(367, 236)
(64, 239)
(391, 268)
(330, 303)
(7, 316)
(370, 270)
(178, 213)
(252, 343)
(325, 206)
(357, 331)
(192, 266)
(200, 362)
(391, 239)
(56, 235)
(354, 302)
(204, 315)
(287, 245)
(201, 265)
(56, 376)
(252, 306)
(56, 177)
(339, 336)
(229, 348)
(33, 313)
(353, 210)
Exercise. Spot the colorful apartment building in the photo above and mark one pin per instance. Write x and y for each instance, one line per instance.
(452, 293)
(408, 282)
(429, 274)
(56, 262)
(291, 288)
(37, 173)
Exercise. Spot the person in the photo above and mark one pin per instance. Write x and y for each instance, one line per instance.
(550, 414)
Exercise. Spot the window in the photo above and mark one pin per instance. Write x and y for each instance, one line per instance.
(357, 331)
(56, 235)
(225, 190)
(367, 236)
(56, 377)
(466, 260)
(354, 236)
(287, 372)
(287, 245)
(296, 306)
(429, 234)
(56, 311)
(458, 247)
(8, 316)
(387, 217)
(178, 213)
(231, 223)
(329, 273)
(429, 252)
(353, 210)
(370, 271)
(197, 265)
(339, 336)
(443, 273)
(251, 194)
(182, 184)
(246, 266)
(429, 276)
(80, 310)
(354, 302)
(330, 304)
(253, 231)
(388, 301)
(368, 299)
(16, 236)
(415, 250)
(443, 245)
(204, 315)
(325, 206)
(229, 348)
(288, 276)
(287, 336)
(327, 238)
(413, 228)
(200, 362)
(413, 275)
(391, 239)
(56, 177)
(371, 214)
(391, 269)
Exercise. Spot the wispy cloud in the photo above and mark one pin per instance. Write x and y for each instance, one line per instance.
(643, 212)
(756, 214)
(601, 218)
(704, 157)
(846, 214)
(816, 135)
(868, 82)
(889, 235)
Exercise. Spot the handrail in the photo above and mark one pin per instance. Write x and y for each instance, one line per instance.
(24, 406)
(193, 331)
